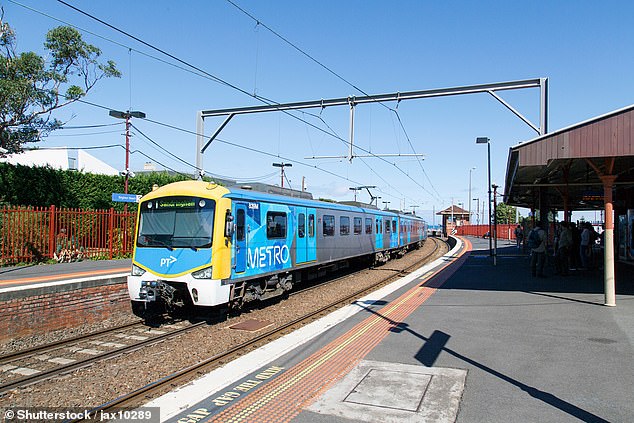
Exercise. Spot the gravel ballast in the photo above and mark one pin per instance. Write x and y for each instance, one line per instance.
(109, 379)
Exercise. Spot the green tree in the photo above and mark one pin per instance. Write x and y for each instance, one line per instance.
(505, 213)
(31, 87)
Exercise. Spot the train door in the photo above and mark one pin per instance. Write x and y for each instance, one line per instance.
(305, 237)
(379, 233)
(241, 239)
(394, 233)
(300, 235)
(311, 235)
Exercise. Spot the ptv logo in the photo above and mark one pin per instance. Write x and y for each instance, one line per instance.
(168, 261)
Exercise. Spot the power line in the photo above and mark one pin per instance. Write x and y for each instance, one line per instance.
(219, 80)
(281, 37)
(90, 126)
(94, 147)
(84, 134)
(162, 148)
(164, 165)
(259, 22)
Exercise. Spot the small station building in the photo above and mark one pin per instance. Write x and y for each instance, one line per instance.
(587, 166)
(452, 217)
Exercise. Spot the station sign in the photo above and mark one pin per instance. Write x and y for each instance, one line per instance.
(125, 198)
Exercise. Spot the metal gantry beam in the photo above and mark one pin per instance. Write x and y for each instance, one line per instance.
(352, 101)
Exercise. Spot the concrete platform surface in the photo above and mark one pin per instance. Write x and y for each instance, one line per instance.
(469, 342)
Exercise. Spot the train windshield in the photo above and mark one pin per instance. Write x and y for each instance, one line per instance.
(176, 222)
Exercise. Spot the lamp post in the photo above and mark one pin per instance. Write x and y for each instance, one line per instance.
(126, 115)
(485, 140)
(282, 166)
(470, 170)
(495, 225)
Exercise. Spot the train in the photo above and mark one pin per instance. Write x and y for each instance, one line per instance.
(200, 245)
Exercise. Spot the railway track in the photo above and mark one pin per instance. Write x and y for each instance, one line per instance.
(33, 365)
(177, 378)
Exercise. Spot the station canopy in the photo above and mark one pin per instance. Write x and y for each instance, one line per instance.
(570, 166)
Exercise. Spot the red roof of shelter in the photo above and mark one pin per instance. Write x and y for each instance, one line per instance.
(569, 162)
(456, 210)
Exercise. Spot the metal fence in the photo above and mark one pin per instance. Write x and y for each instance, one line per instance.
(31, 234)
(504, 230)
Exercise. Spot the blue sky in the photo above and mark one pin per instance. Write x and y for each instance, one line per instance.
(583, 47)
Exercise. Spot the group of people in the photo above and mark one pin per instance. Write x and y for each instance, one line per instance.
(67, 249)
(572, 247)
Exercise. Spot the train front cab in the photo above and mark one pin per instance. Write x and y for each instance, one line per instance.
(182, 249)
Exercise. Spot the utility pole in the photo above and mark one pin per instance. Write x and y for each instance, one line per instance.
(126, 115)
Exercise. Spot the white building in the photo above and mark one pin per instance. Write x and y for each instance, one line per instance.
(62, 158)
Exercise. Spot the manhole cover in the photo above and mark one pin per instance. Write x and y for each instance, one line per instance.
(392, 392)
(399, 390)
(251, 325)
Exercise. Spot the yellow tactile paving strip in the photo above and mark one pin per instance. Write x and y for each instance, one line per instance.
(287, 395)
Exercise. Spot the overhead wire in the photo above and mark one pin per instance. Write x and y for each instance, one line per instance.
(219, 80)
(203, 73)
(300, 50)
(85, 134)
(90, 126)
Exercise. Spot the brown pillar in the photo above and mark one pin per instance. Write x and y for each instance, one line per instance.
(608, 242)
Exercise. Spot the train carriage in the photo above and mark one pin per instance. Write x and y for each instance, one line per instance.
(201, 244)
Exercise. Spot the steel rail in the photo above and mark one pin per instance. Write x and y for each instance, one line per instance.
(47, 374)
(128, 400)
(53, 345)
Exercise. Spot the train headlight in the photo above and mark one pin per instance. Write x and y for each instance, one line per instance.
(137, 271)
(202, 273)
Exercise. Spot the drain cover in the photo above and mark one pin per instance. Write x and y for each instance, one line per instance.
(390, 389)
(391, 392)
(251, 325)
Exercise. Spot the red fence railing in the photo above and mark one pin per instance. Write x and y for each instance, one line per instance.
(30, 234)
(504, 230)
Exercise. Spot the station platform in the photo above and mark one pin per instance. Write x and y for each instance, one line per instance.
(458, 340)
(37, 279)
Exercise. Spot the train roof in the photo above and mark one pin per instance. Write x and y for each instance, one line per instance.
(236, 193)
(211, 190)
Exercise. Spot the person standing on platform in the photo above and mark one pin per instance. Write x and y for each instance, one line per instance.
(537, 244)
(519, 236)
(584, 246)
(563, 249)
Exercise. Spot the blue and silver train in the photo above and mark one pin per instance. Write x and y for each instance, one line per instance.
(199, 244)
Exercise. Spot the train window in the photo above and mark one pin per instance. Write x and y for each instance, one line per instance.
(329, 225)
(311, 225)
(357, 225)
(394, 226)
(378, 226)
(275, 225)
(387, 226)
(240, 224)
(368, 225)
(301, 225)
(344, 225)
